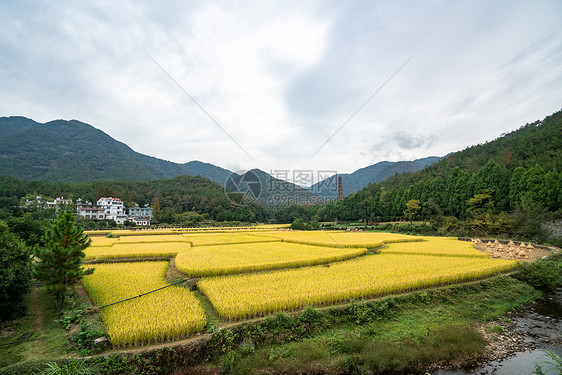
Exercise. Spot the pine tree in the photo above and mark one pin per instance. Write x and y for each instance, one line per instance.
(60, 256)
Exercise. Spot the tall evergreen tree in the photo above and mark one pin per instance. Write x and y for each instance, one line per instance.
(61, 254)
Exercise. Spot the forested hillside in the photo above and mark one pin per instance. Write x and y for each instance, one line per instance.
(518, 171)
(175, 200)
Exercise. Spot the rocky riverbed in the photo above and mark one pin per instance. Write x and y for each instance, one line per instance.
(516, 342)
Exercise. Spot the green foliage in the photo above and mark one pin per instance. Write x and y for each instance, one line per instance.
(527, 218)
(26, 228)
(70, 368)
(347, 343)
(412, 209)
(311, 316)
(15, 274)
(69, 318)
(552, 362)
(84, 338)
(542, 274)
(299, 224)
(498, 329)
(59, 263)
(197, 197)
(277, 352)
(228, 362)
(115, 364)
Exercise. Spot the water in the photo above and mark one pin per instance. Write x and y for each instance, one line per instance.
(541, 327)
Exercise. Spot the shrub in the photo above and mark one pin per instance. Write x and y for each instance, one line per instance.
(543, 274)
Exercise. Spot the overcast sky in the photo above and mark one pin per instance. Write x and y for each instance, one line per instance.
(281, 77)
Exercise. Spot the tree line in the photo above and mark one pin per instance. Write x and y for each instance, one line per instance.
(183, 200)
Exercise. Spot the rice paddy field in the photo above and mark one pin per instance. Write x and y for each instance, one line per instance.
(245, 296)
(245, 274)
(138, 250)
(340, 238)
(170, 313)
(251, 257)
(209, 239)
(435, 246)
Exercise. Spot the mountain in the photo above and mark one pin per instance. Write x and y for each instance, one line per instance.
(353, 182)
(73, 151)
(260, 187)
(14, 124)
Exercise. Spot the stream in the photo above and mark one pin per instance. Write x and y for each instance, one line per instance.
(539, 328)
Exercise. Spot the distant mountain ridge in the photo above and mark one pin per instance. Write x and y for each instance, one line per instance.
(73, 151)
(353, 182)
(260, 187)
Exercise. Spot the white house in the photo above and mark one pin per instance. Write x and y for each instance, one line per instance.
(60, 201)
(114, 209)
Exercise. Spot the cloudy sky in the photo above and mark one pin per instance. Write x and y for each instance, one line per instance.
(274, 80)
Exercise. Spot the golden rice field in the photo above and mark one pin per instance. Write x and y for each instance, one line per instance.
(153, 238)
(138, 250)
(148, 232)
(251, 257)
(208, 239)
(168, 314)
(103, 241)
(282, 270)
(244, 296)
(436, 246)
(141, 232)
(341, 239)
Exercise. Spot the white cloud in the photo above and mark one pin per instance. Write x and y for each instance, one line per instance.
(281, 77)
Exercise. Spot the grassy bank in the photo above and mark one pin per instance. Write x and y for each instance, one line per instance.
(48, 335)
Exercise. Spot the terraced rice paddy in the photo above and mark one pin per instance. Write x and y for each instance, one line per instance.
(229, 259)
(340, 239)
(139, 250)
(170, 313)
(243, 296)
(435, 246)
(253, 273)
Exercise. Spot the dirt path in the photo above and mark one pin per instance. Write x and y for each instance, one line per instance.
(37, 313)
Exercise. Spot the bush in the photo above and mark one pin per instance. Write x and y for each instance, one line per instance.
(543, 274)
(85, 337)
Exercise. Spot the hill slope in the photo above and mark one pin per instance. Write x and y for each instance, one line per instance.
(517, 171)
(352, 182)
(72, 151)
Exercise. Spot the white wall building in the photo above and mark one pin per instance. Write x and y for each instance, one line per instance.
(138, 211)
(114, 209)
